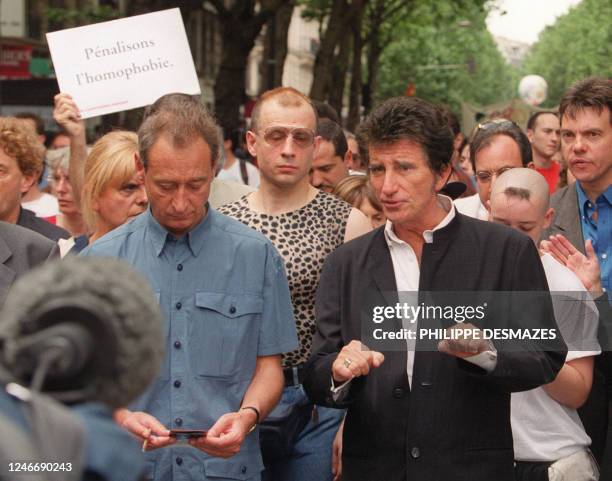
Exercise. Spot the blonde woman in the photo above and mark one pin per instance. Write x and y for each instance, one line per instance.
(356, 190)
(113, 190)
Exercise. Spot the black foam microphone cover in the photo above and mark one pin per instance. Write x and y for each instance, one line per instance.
(99, 321)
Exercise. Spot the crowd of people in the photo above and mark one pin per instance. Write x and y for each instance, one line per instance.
(268, 248)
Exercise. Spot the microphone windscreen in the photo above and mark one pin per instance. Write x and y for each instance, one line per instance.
(111, 300)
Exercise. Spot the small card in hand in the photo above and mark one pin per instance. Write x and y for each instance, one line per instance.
(187, 433)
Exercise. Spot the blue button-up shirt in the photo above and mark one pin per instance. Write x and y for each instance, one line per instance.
(225, 299)
(599, 230)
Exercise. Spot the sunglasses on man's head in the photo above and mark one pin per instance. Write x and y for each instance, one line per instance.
(494, 123)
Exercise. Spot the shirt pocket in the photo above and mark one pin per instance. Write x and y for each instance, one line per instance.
(225, 333)
(238, 467)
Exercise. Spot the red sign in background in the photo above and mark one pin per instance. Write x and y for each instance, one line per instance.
(15, 61)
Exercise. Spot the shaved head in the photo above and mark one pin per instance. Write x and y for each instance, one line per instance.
(519, 199)
(527, 184)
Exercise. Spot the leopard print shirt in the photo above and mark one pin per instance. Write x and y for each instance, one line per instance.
(304, 238)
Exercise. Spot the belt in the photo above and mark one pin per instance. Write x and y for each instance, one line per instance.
(294, 376)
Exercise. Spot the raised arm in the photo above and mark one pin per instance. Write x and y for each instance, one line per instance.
(67, 115)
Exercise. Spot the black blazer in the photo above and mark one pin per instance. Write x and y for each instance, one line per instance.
(455, 422)
(28, 219)
(21, 250)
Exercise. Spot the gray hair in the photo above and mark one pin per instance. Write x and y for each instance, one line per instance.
(58, 158)
(183, 118)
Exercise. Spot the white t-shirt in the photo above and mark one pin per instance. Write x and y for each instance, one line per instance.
(233, 174)
(45, 206)
(472, 207)
(542, 428)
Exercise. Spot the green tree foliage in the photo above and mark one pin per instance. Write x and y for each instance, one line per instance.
(577, 45)
(445, 50)
(85, 16)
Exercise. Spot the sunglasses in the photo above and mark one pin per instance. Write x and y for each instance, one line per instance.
(494, 123)
(275, 136)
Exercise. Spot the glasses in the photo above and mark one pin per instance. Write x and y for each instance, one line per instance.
(485, 176)
(278, 135)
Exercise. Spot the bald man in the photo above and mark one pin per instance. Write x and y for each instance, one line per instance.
(549, 438)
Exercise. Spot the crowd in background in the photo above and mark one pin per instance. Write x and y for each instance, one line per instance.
(310, 188)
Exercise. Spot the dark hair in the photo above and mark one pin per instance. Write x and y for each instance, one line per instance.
(236, 136)
(183, 118)
(485, 133)
(518, 192)
(404, 118)
(531, 123)
(465, 141)
(38, 122)
(58, 133)
(591, 93)
(451, 119)
(326, 111)
(332, 132)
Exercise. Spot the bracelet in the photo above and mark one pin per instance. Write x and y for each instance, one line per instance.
(256, 411)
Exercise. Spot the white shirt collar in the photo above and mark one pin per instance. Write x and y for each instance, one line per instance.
(445, 202)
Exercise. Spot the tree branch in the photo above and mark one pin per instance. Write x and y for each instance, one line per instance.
(219, 6)
(393, 10)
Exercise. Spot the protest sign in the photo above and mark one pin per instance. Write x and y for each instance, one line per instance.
(123, 64)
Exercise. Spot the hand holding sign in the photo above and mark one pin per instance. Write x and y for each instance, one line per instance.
(67, 115)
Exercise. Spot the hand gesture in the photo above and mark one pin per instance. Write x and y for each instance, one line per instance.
(355, 360)
(467, 341)
(586, 267)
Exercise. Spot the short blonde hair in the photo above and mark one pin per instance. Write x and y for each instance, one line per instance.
(286, 97)
(111, 160)
(18, 140)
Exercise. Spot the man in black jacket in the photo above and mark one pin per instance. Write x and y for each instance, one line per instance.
(437, 410)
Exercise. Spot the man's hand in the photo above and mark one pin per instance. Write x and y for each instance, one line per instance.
(586, 267)
(355, 360)
(145, 427)
(468, 341)
(224, 439)
(337, 454)
(66, 114)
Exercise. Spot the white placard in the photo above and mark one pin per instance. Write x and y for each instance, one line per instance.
(123, 64)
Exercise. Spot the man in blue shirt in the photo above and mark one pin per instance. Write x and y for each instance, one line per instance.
(583, 211)
(225, 300)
